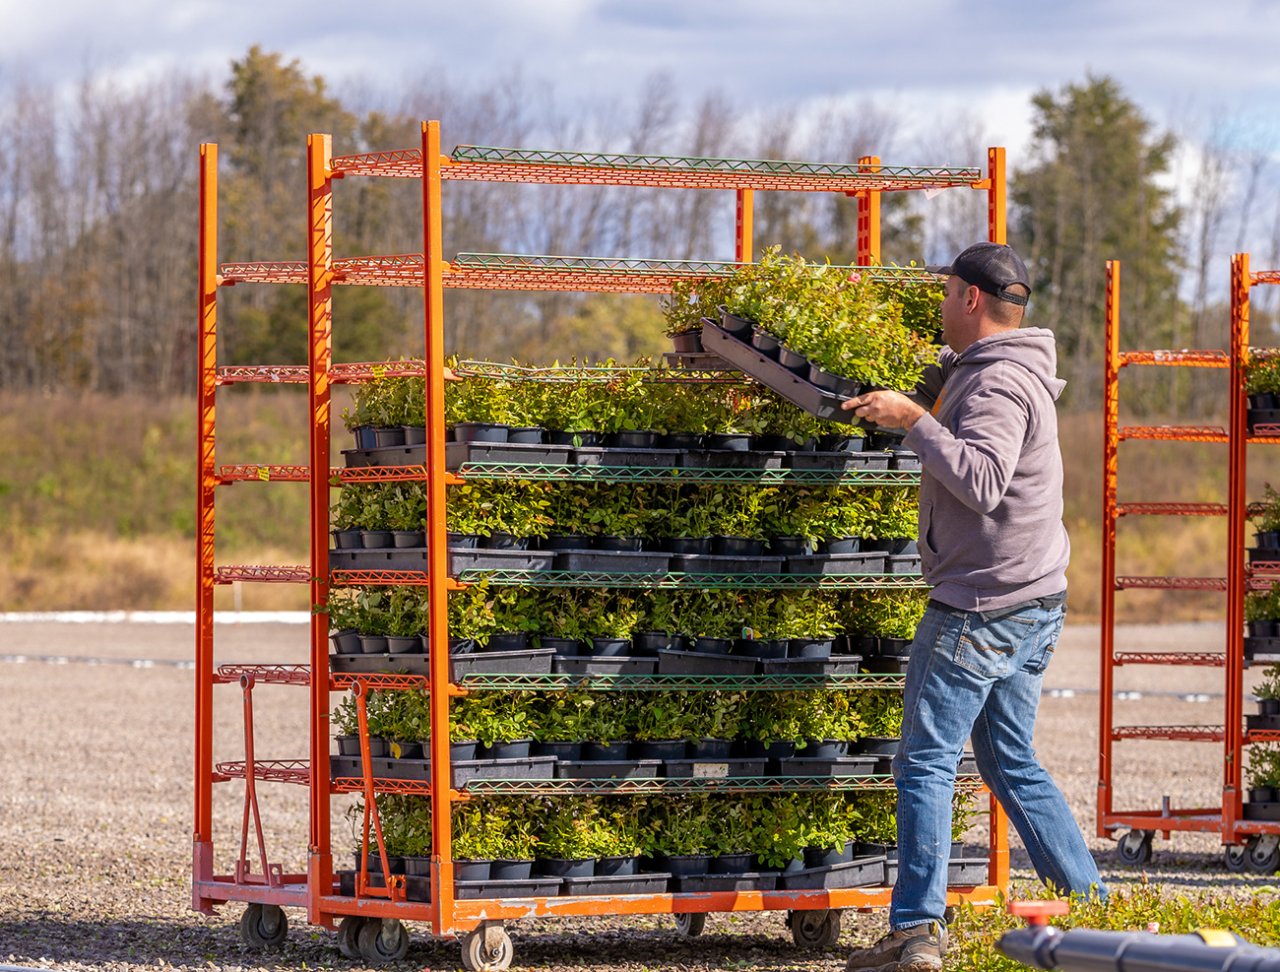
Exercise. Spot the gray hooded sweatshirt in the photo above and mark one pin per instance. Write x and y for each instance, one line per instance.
(991, 532)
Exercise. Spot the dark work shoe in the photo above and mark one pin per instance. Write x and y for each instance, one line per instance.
(916, 949)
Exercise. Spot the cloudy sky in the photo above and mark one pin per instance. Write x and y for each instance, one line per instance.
(1180, 59)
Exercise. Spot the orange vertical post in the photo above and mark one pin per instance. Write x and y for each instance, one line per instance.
(319, 363)
(437, 538)
(1237, 455)
(206, 485)
(868, 216)
(1110, 468)
(744, 244)
(997, 227)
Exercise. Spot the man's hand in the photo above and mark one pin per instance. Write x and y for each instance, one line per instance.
(889, 409)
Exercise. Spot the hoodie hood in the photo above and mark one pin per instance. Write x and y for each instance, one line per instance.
(1031, 347)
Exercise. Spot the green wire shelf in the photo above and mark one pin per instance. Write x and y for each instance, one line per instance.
(568, 578)
(649, 474)
(729, 784)
(682, 683)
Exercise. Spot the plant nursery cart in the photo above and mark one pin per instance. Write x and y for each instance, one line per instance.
(1250, 843)
(368, 909)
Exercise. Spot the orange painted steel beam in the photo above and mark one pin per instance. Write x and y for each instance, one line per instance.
(266, 674)
(1171, 583)
(206, 489)
(1110, 467)
(997, 200)
(1171, 509)
(1199, 821)
(409, 578)
(868, 217)
(1175, 433)
(259, 574)
(1261, 736)
(263, 474)
(1193, 359)
(389, 474)
(1264, 277)
(433, 284)
(297, 771)
(1208, 659)
(298, 374)
(1265, 433)
(744, 226)
(1173, 733)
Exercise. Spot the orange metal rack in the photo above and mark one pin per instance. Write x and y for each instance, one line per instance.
(381, 910)
(1248, 844)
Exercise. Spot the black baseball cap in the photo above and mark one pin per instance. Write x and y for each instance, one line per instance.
(992, 268)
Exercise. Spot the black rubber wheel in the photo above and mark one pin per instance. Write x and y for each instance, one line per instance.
(349, 936)
(383, 941)
(493, 957)
(1262, 856)
(815, 929)
(263, 926)
(1235, 857)
(1134, 848)
(690, 924)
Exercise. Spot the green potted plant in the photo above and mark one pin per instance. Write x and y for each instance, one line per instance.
(678, 835)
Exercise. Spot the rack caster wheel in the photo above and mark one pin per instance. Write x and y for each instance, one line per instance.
(815, 929)
(1134, 848)
(1262, 854)
(383, 941)
(263, 926)
(487, 948)
(349, 936)
(690, 924)
(1234, 857)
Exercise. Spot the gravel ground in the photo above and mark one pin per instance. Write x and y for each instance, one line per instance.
(95, 807)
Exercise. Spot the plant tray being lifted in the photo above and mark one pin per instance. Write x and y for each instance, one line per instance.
(799, 391)
(671, 662)
(834, 665)
(467, 558)
(704, 883)
(613, 561)
(604, 665)
(509, 453)
(834, 767)
(838, 565)
(645, 458)
(530, 768)
(864, 872)
(530, 661)
(608, 769)
(616, 884)
(539, 887)
(696, 361)
(714, 769)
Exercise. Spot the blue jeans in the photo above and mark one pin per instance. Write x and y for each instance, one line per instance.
(971, 677)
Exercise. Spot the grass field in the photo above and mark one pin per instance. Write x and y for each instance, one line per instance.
(97, 504)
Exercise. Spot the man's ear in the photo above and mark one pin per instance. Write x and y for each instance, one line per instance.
(972, 295)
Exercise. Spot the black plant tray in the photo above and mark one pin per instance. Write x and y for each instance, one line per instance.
(613, 561)
(835, 665)
(608, 769)
(461, 559)
(1269, 810)
(530, 661)
(671, 662)
(1265, 555)
(714, 769)
(769, 373)
(405, 663)
(863, 872)
(521, 453)
(384, 768)
(605, 456)
(696, 361)
(731, 459)
(967, 871)
(415, 888)
(1267, 722)
(838, 461)
(903, 564)
(1262, 649)
(530, 768)
(401, 455)
(1254, 416)
(724, 564)
(968, 765)
(838, 564)
(604, 665)
(828, 767)
(885, 665)
(539, 887)
(615, 884)
(905, 461)
(702, 883)
(381, 558)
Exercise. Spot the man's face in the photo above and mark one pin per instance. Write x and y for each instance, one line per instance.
(952, 309)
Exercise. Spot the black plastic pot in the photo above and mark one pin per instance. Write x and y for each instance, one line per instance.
(562, 867)
(463, 751)
(508, 641)
(652, 642)
(504, 541)
(391, 435)
(532, 434)
(658, 749)
(1263, 400)
(560, 750)
(1262, 794)
(739, 863)
(480, 432)
(731, 441)
(687, 545)
(632, 439)
(842, 443)
(824, 748)
(348, 539)
(511, 749)
(1263, 629)
(563, 646)
(895, 647)
(828, 856)
(366, 437)
(764, 342)
(755, 749)
(463, 541)
(1268, 707)
(406, 749)
(577, 438)
(417, 866)
(375, 539)
(762, 647)
(840, 545)
(604, 647)
(879, 745)
(680, 440)
(710, 749)
(408, 538)
(615, 750)
(618, 543)
(712, 646)
(736, 546)
(405, 645)
(682, 865)
(616, 865)
(793, 361)
(790, 546)
(373, 644)
(739, 327)
(348, 745)
(775, 443)
(415, 434)
(346, 641)
(687, 342)
(510, 869)
(565, 541)
(471, 870)
(892, 545)
(809, 648)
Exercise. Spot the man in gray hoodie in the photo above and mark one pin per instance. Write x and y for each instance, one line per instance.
(995, 551)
